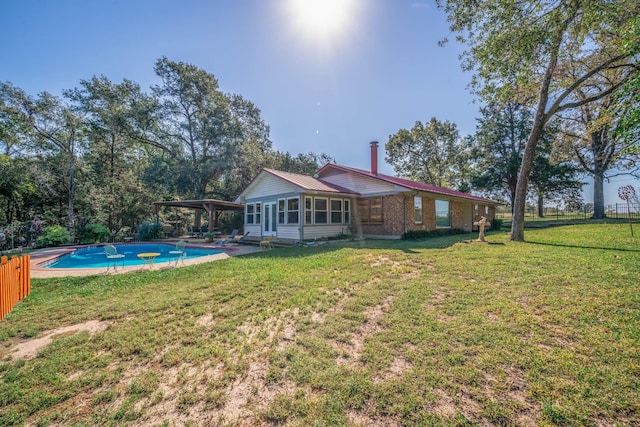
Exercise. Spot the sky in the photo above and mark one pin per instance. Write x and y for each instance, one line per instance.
(326, 80)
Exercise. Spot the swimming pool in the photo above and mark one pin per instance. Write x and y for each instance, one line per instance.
(94, 256)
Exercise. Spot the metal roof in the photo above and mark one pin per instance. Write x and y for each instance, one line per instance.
(412, 185)
(309, 183)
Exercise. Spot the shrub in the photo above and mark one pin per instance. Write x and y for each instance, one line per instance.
(53, 236)
(149, 231)
(91, 233)
(425, 234)
(496, 224)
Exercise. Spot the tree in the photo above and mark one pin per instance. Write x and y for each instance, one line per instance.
(525, 50)
(54, 128)
(305, 164)
(431, 153)
(497, 152)
(498, 146)
(17, 189)
(113, 143)
(601, 152)
(195, 120)
(250, 148)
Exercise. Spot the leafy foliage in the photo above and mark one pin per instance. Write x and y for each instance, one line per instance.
(91, 233)
(54, 235)
(106, 150)
(430, 152)
(149, 231)
(545, 54)
(496, 224)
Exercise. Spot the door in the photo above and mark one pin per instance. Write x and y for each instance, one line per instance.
(269, 225)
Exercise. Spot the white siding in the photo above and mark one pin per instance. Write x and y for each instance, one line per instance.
(288, 232)
(319, 231)
(268, 185)
(254, 230)
(362, 184)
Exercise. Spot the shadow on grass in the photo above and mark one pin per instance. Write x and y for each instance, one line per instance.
(406, 246)
(565, 245)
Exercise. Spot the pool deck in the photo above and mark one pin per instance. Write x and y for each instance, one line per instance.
(38, 258)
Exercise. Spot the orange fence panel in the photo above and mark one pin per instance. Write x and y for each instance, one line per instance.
(15, 282)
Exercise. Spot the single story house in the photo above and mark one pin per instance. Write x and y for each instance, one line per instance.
(341, 199)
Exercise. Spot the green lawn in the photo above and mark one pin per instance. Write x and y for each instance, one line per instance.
(435, 332)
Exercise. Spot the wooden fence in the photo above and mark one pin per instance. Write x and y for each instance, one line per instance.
(15, 282)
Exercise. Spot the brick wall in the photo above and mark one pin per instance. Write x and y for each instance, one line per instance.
(398, 212)
(392, 218)
(428, 214)
(457, 215)
(482, 212)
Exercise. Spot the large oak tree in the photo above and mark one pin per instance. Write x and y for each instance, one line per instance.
(544, 50)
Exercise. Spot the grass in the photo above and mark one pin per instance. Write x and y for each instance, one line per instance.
(437, 332)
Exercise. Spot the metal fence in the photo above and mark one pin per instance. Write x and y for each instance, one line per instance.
(613, 211)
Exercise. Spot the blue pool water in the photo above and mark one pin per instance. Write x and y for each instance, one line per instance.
(94, 256)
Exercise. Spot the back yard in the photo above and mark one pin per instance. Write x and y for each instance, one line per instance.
(436, 332)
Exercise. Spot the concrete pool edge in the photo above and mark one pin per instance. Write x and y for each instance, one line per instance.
(43, 256)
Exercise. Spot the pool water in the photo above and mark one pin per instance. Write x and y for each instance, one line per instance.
(94, 256)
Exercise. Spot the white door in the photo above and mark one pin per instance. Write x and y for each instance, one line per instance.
(269, 224)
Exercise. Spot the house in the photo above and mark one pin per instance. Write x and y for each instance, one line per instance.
(341, 199)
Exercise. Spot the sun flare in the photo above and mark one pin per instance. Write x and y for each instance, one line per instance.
(322, 18)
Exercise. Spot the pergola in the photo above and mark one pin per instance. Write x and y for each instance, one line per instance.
(211, 206)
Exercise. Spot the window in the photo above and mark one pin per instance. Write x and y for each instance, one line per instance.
(370, 210)
(320, 206)
(417, 209)
(347, 212)
(258, 219)
(486, 211)
(443, 214)
(308, 211)
(336, 211)
(281, 211)
(250, 215)
(293, 210)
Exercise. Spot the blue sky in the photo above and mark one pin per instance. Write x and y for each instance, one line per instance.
(379, 71)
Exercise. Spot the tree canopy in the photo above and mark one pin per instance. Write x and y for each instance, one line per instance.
(543, 53)
(431, 152)
(103, 151)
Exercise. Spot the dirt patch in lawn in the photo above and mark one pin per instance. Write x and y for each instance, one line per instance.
(371, 326)
(30, 348)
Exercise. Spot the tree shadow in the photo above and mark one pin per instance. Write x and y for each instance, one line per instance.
(406, 246)
(566, 245)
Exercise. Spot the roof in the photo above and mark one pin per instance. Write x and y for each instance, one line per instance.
(305, 182)
(412, 185)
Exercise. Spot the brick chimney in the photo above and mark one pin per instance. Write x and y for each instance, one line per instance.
(374, 157)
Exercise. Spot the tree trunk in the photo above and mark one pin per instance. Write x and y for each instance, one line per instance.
(72, 191)
(540, 205)
(517, 222)
(598, 196)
